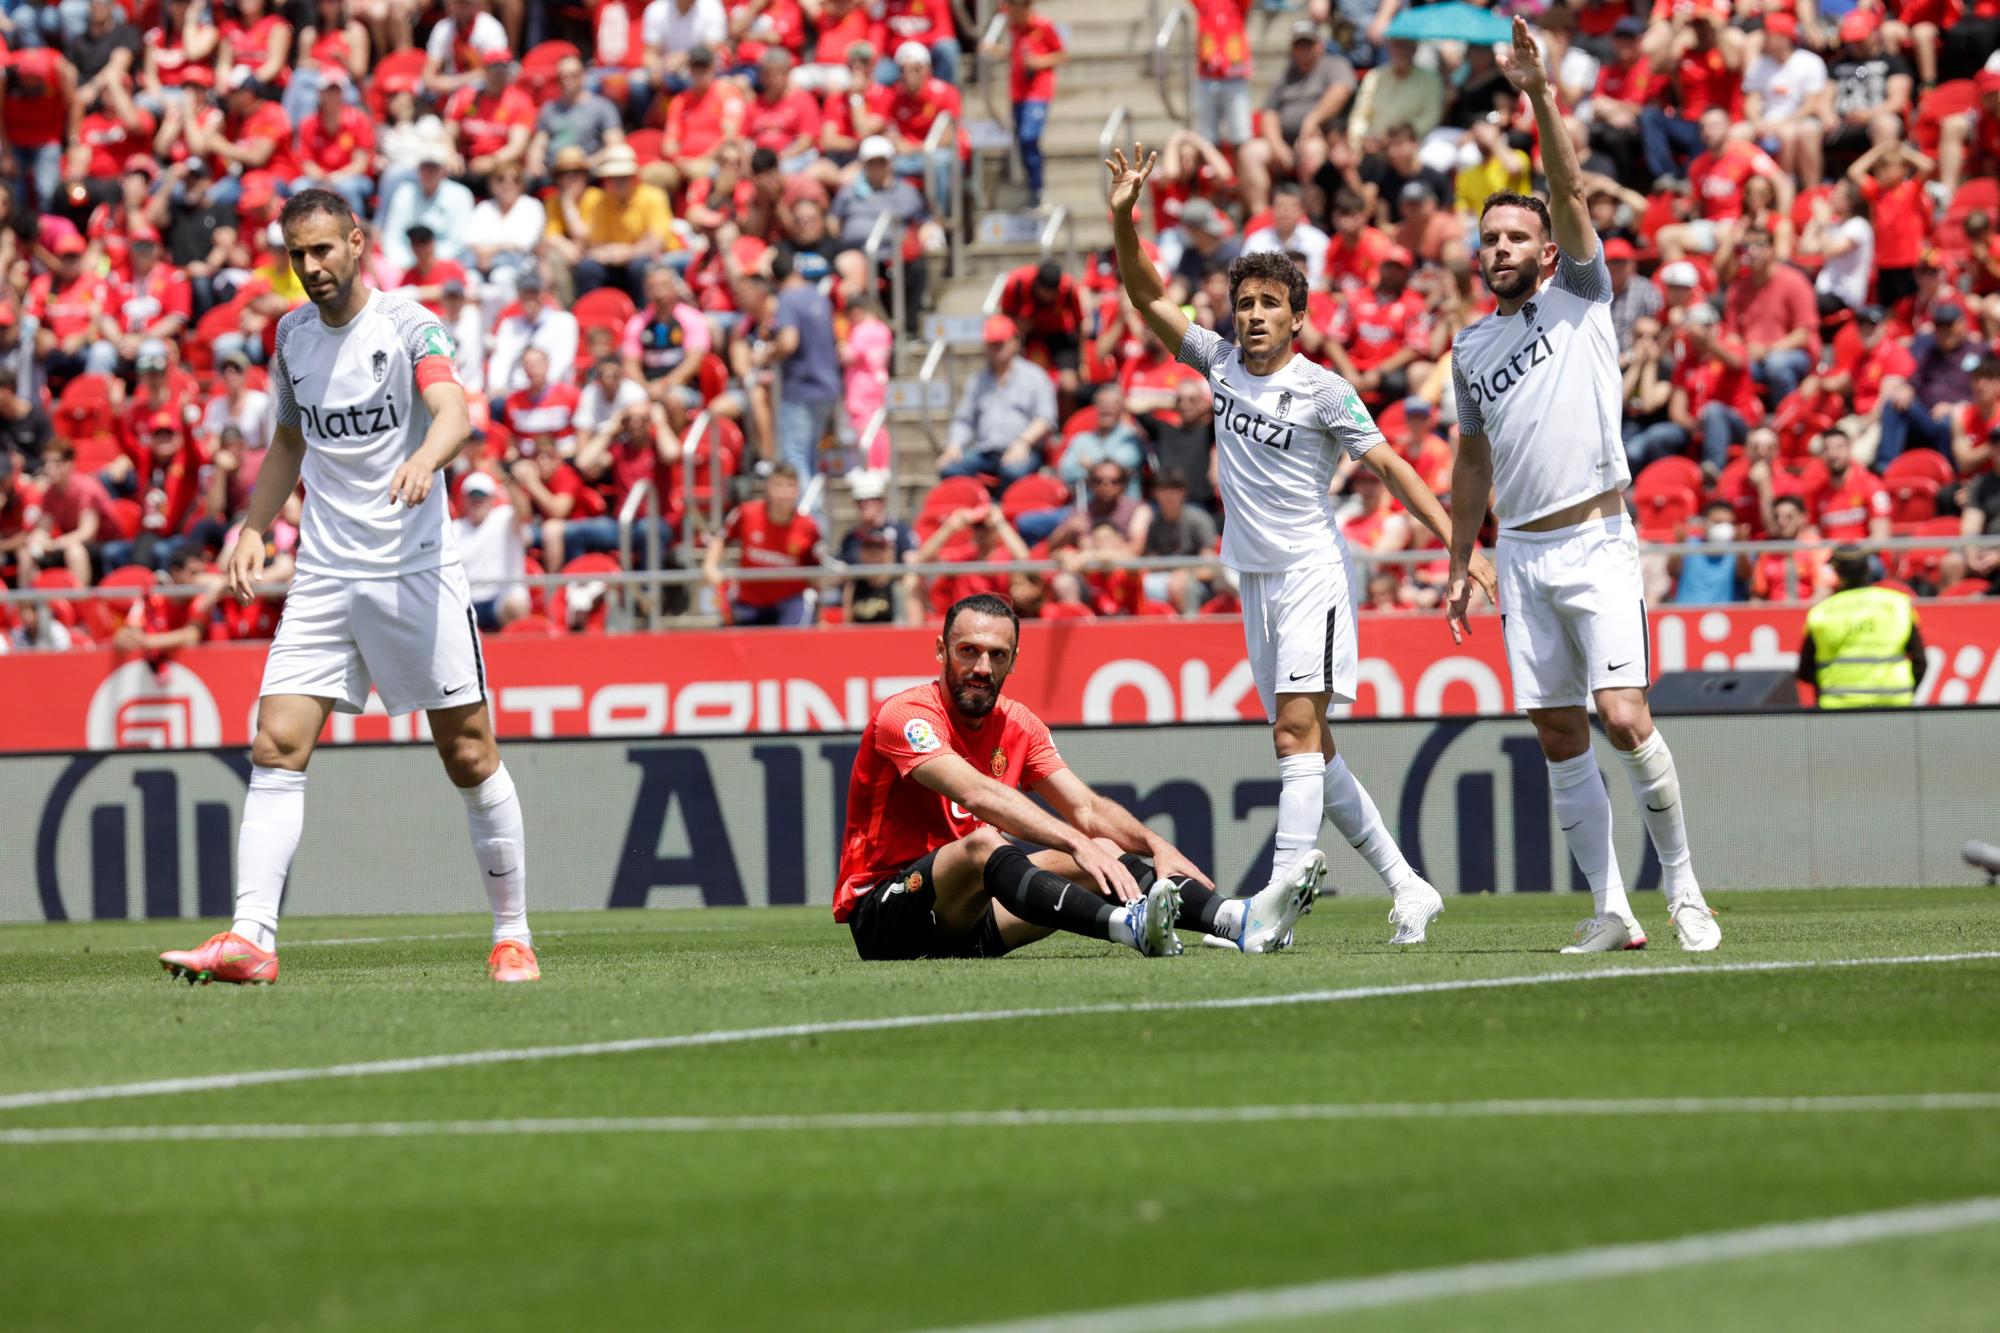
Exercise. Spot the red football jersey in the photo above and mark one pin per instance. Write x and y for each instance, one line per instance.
(771, 545)
(892, 819)
(1843, 509)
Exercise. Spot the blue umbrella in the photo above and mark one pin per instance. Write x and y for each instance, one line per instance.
(1452, 21)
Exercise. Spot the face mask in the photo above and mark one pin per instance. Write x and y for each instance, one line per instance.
(1722, 532)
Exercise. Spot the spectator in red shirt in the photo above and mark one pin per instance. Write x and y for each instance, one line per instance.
(1853, 504)
(251, 135)
(785, 118)
(38, 114)
(155, 301)
(910, 106)
(1716, 179)
(701, 116)
(1354, 251)
(77, 512)
(1048, 307)
(159, 625)
(336, 144)
(1222, 72)
(541, 411)
(1773, 309)
(1381, 342)
(166, 481)
(1890, 177)
(925, 22)
(491, 122)
(769, 533)
(1976, 425)
(559, 495)
(73, 306)
(1714, 397)
(639, 448)
(1701, 56)
(1973, 135)
(427, 274)
(1037, 49)
(112, 129)
(1624, 85)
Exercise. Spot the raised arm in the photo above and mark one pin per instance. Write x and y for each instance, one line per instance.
(1567, 207)
(1142, 282)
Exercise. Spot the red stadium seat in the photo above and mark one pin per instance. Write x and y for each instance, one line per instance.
(647, 145)
(51, 579)
(1912, 499)
(1148, 607)
(1947, 99)
(1921, 463)
(95, 452)
(84, 410)
(595, 563)
(1910, 566)
(1663, 512)
(1067, 611)
(606, 308)
(393, 73)
(1673, 473)
(1967, 588)
(538, 68)
(1032, 493)
(533, 626)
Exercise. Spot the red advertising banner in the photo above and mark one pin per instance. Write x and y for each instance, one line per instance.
(732, 682)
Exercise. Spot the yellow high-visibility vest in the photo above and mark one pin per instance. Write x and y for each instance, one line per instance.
(1859, 641)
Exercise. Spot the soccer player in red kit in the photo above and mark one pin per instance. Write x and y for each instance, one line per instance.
(926, 868)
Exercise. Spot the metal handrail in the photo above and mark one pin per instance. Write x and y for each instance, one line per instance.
(954, 185)
(1178, 16)
(1060, 223)
(703, 422)
(877, 424)
(995, 29)
(926, 374)
(966, 20)
(1109, 137)
(879, 238)
(647, 495)
(991, 305)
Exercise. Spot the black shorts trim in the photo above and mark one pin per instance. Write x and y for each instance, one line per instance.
(896, 921)
(478, 658)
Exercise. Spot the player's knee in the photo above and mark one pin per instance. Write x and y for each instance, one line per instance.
(982, 842)
(270, 750)
(469, 759)
(1627, 720)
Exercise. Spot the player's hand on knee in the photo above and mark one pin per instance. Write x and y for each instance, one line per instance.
(1108, 872)
(1168, 863)
(246, 566)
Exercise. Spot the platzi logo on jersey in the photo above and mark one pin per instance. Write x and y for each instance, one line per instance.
(354, 422)
(1253, 425)
(1489, 387)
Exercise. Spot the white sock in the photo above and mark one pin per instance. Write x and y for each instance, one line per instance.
(274, 815)
(1121, 927)
(1583, 810)
(500, 844)
(1353, 812)
(1657, 788)
(1229, 919)
(1300, 809)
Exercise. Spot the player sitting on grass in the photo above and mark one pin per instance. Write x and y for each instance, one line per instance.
(926, 870)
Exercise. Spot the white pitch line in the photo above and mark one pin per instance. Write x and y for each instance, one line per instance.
(1429, 1284)
(735, 1036)
(849, 1122)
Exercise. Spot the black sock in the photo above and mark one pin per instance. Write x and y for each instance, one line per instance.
(1044, 898)
(1198, 905)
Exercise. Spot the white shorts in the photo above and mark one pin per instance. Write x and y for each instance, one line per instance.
(1573, 612)
(412, 637)
(1298, 625)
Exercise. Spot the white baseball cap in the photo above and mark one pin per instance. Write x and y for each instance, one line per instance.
(1680, 273)
(875, 146)
(913, 53)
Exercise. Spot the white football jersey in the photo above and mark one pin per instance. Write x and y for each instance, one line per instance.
(1543, 386)
(1277, 440)
(352, 392)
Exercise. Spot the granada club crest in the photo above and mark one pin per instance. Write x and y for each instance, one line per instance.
(380, 365)
(1528, 312)
(999, 762)
(1285, 405)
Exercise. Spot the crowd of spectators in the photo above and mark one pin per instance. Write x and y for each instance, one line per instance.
(640, 216)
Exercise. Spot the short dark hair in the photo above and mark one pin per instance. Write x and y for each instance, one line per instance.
(1170, 479)
(1273, 267)
(1511, 199)
(1403, 129)
(762, 160)
(782, 470)
(1347, 201)
(1289, 190)
(316, 201)
(1792, 500)
(982, 604)
(1987, 368)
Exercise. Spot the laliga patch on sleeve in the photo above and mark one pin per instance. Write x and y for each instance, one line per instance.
(921, 736)
(436, 342)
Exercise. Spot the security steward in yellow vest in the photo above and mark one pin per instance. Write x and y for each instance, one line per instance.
(1863, 648)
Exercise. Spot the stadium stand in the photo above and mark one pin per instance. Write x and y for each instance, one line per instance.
(1799, 216)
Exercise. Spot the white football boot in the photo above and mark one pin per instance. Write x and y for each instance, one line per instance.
(1607, 934)
(1694, 922)
(1417, 905)
(1153, 920)
(1268, 916)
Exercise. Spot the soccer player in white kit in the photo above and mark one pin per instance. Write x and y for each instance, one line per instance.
(369, 410)
(1539, 406)
(1281, 424)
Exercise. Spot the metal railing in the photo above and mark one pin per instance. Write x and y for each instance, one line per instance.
(944, 138)
(1110, 136)
(878, 424)
(991, 304)
(887, 234)
(703, 423)
(926, 376)
(1180, 21)
(938, 569)
(1061, 225)
(647, 496)
(992, 34)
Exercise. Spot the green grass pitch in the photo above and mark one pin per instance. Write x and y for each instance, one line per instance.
(715, 1222)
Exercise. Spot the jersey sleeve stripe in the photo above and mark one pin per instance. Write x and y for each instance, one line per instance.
(1588, 278)
(1470, 421)
(1199, 348)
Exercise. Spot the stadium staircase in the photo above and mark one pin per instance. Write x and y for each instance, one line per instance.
(1111, 68)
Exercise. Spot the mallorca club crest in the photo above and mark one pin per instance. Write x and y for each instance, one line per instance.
(999, 762)
(914, 883)
(380, 364)
(1285, 405)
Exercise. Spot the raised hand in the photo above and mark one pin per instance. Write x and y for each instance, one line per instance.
(1128, 179)
(1522, 62)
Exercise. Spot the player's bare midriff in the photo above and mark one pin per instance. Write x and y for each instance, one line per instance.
(1608, 504)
